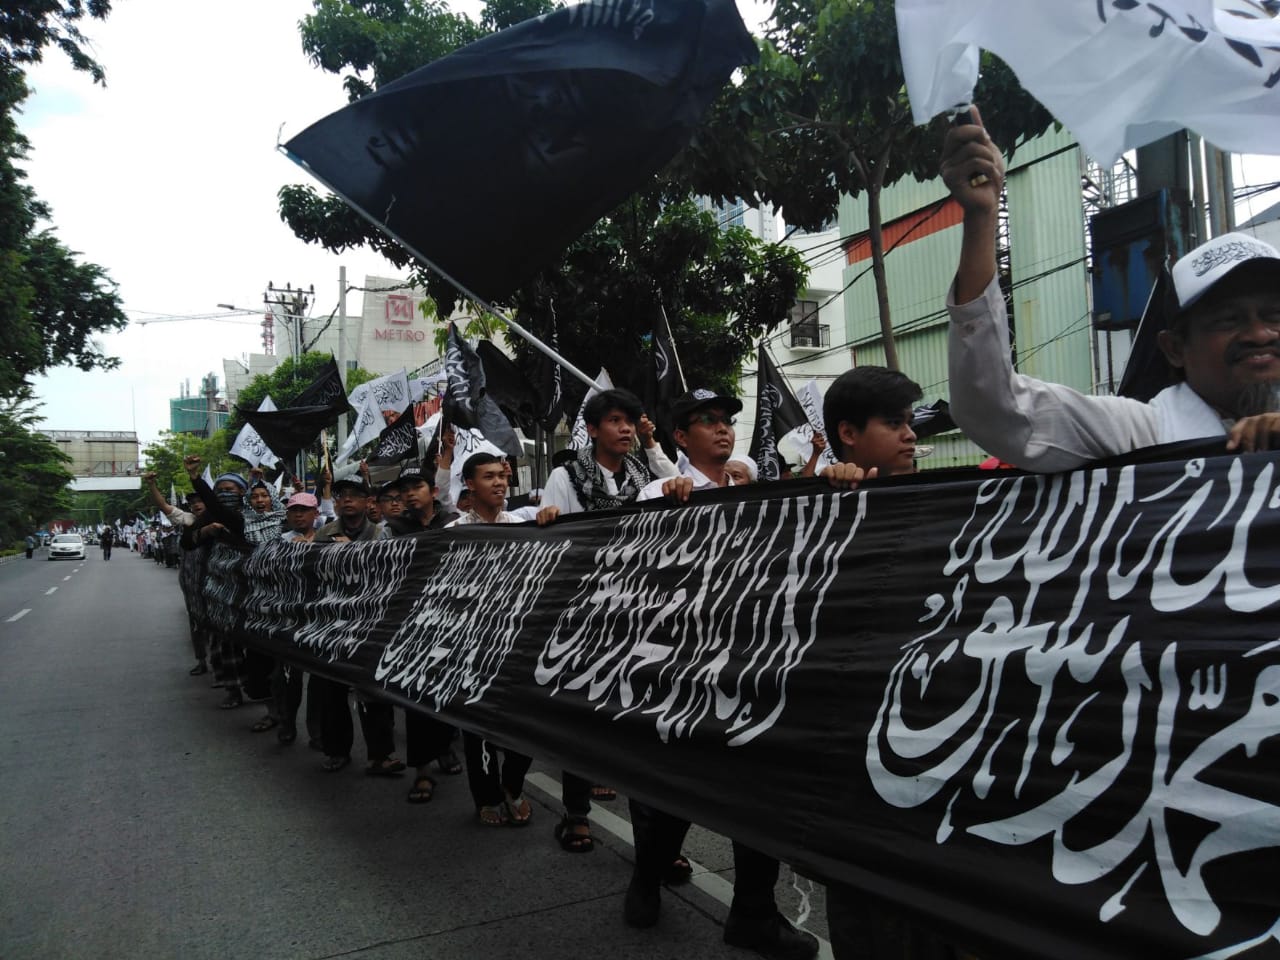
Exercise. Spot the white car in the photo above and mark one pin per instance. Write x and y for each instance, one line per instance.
(67, 546)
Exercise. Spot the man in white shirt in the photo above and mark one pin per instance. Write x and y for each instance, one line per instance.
(703, 423)
(603, 476)
(606, 475)
(1223, 340)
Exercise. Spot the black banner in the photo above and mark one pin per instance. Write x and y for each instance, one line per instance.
(1043, 712)
(550, 125)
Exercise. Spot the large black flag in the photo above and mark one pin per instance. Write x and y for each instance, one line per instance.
(466, 403)
(550, 125)
(778, 412)
(396, 442)
(508, 386)
(326, 391)
(290, 430)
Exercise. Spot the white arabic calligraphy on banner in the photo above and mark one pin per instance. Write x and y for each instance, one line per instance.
(941, 733)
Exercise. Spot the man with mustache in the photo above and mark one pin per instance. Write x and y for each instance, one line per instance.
(1223, 343)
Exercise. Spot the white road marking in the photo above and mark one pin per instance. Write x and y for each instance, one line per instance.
(19, 615)
(710, 883)
(67, 577)
(50, 590)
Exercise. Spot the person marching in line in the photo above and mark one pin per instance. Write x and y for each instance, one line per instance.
(703, 423)
(604, 475)
(1222, 344)
(426, 737)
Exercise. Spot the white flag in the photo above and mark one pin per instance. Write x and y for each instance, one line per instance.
(810, 398)
(279, 482)
(467, 441)
(390, 392)
(207, 477)
(249, 446)
(1118, 74)
(579, 440)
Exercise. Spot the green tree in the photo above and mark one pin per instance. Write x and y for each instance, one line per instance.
(33, 472)
(825, 114)
(51, 304)
(655, 252)
(165, 455)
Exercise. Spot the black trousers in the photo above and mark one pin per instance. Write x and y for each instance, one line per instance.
(658, 838)
(425, 738)
(864, 927)
(377, 723)
(286, 690)
(487, 775)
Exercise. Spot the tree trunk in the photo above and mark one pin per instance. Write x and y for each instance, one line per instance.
(876, 236)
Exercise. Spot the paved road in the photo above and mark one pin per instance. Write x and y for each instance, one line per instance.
(138, 821)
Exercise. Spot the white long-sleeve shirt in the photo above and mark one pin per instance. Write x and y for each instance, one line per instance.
(1048, 427)
(653, 490)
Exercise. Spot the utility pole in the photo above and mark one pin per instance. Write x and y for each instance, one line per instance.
(295, 302)
(342, 348)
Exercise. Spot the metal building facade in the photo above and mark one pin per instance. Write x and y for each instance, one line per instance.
(1047, 262)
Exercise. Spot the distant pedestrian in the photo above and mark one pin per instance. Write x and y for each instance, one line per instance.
(108, 541)
(31, 546)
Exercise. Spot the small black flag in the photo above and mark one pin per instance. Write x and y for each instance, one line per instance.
(508, 386)
(326, 391)
(666, 382)
(778, 412)
(465, 402)
(397, 442)
(292, 429)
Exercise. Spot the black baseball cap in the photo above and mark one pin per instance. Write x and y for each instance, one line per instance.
(696, 400)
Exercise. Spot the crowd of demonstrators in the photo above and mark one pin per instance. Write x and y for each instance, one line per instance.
(1223, 344)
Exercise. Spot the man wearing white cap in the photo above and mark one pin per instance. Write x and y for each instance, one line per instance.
(1223, 342)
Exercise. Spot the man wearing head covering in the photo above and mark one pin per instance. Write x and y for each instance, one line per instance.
(1223, 343)
(703, 423)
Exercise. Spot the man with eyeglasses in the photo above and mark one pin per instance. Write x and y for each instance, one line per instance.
(390, 500)
(1222, 344)
(703, 428)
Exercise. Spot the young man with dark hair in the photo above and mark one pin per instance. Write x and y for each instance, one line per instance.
(377, 721)
(867, 412)
(603, 475)
(426, 738)
(498, 792)
(704, 422)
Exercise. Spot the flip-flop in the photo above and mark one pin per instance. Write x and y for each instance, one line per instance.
(603, 794)
(491, 816)
(334, 764)
(514, 807)
(263, 724)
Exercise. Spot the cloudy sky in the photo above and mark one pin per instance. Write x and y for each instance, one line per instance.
(167, 177)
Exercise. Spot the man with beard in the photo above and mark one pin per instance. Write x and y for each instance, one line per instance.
(704, 422)
(1222, 342)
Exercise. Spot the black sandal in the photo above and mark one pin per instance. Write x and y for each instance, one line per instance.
(386, 767)
(602, 794)
(423, 789)
(233, 700)
(569, 840)
(449, 763)
(263, 724)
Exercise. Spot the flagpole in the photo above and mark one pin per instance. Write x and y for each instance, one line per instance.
(675, 354)
(529, 337)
